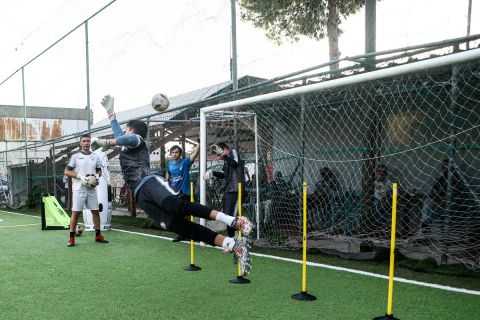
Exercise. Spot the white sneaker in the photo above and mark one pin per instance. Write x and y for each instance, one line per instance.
(241, 250)
(242, 224)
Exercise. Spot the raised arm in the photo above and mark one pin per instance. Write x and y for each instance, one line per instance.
(131, 140)
(195, 152)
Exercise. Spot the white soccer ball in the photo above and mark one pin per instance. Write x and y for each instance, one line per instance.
(160, 102)
(92, 181)
(80, 229)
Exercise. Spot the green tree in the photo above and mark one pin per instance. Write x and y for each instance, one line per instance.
(291, 19)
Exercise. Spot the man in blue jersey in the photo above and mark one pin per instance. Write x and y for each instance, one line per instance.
(160, 202)
(178, 173)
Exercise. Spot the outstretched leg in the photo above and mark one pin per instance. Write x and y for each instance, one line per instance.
(237, 223)
(239, 247)
(164, 207)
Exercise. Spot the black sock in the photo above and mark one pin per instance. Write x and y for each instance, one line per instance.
(72, 234)
(97, 232)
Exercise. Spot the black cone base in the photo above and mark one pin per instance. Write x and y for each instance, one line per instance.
(386, 317)
(239, 280)
(192, 267)
(303, 296)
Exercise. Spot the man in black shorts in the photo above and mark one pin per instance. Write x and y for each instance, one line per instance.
(160, 202)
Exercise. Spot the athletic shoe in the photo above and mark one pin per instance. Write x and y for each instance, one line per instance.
(242, 224)
(100, 239)
(71, 242)
(241, 250)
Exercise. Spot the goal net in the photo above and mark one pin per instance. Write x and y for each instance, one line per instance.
(236, 129)
(350, 138)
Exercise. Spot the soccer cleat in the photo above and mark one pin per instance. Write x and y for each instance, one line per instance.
(242, 224)
(71, 242)
(241, 250)
(100, 239)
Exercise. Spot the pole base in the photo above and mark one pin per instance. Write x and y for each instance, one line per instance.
(239, 280)
(386, 317)
(304, 296)
(192, 267)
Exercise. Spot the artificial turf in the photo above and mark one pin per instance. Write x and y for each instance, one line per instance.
(138, 277)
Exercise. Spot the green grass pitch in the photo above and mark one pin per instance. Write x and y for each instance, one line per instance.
(138, 277)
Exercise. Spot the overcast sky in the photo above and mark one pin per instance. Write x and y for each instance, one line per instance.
(138, 48)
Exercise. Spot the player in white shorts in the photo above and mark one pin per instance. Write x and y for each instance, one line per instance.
(83, 167)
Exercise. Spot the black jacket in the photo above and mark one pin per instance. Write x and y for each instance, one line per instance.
(135, 164)
(233, 172)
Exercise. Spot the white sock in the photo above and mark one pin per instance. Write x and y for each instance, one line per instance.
(222, 217)
(228, 243)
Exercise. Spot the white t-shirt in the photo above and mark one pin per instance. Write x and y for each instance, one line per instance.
(102, 156)
(83, 164)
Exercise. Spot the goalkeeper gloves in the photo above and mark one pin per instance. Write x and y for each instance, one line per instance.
(103, 142)
(216, 149)
(107, 103)
(90, 181)
(208, 175)
(83, 180)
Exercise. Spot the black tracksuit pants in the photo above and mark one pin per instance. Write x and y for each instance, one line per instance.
(171, 211)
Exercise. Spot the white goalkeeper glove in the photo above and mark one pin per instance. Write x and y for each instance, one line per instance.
(208, 175)
(103, 142)
(216, 149)
(83, 180)
(107, 103)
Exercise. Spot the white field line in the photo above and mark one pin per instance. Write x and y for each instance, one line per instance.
(319, 265)
(18, 214)
(3, 212)
(19, 225)
(326, 266)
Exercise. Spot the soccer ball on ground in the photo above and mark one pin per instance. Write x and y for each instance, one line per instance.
(80, 229)
(160, 102)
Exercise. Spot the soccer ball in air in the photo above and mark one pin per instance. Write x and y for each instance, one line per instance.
(160, 102)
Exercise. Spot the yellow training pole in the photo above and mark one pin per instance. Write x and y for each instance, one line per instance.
(304, 239)
(239, 214)
(240, 279)
(192, 266)
(391, 272)
(392, 251)
(192, 244)
(304, 295)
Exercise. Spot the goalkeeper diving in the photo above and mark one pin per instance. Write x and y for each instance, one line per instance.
(160, 202)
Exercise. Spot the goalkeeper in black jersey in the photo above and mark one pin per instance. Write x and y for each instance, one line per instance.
(160, 202)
